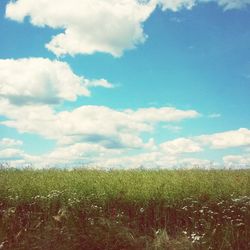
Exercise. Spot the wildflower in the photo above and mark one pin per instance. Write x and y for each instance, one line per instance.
(142, 210)
(91, 221)
(220, 203)
(158, 231)
(2, 245)
(195, 237)
(238, 220)
(185, 208)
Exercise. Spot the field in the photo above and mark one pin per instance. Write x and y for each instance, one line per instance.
(88, 209)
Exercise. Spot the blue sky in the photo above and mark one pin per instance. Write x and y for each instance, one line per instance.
(161, 83)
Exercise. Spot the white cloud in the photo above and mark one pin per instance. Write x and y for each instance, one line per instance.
(104, 125)
(40, 80)
(151, 160)
(90, 26)
(190, 162)
(176, 5)
(9, 142)
(237, 160)
(233, 4)
(96, 135)
(10, 154)
(93, 153)
(214, 115)
(98, 83)
(233, 138)
(164, 114)
(109, 127)
(173, 128)
(29, 118)
(146, 160)
(171, 154)
(76, 154)
(180, 145)
(96, 156)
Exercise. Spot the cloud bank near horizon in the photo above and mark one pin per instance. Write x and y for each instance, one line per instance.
(180, 152)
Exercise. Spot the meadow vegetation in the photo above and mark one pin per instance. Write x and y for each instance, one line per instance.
(136, 209)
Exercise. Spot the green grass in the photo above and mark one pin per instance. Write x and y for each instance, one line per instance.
(87, 209)
(136, 186)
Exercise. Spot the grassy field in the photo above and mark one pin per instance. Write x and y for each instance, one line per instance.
(87, 209)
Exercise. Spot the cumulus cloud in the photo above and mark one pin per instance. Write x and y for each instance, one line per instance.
(78, 154)
(228, 139)
(28, 87)
(96, 156)
(111, 128)
(90, 26)
(149, 160)
(180, 145)
(40, 80)
(91, 153)
(223, 140)
(8, 150)
(98, 83)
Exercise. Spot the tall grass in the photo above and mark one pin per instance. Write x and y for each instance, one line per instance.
(87, 209)
(136, 186)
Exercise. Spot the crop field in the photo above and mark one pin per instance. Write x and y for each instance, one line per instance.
(90, 209)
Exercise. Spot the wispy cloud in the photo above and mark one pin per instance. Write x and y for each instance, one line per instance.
(162, 114)
(233, 4)
(173, 128)
(176, 5)
(214, 115)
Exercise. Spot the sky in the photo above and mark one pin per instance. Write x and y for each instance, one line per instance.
(125, 84)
